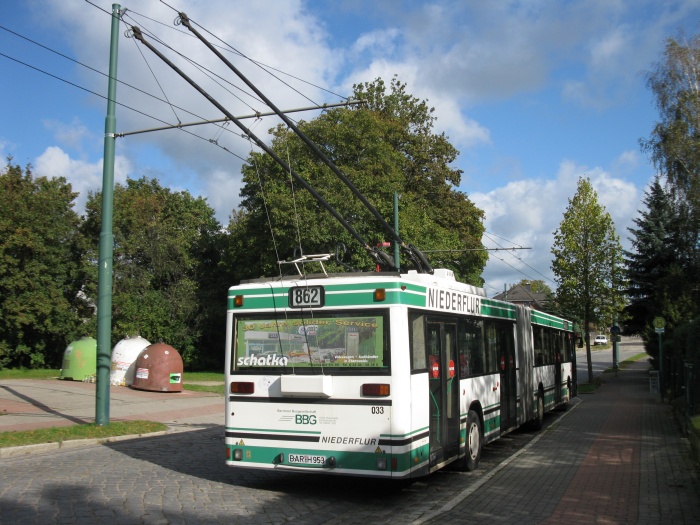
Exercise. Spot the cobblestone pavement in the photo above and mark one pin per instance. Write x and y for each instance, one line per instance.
(181, 478)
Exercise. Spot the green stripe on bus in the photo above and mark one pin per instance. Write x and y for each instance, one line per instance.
(497, 309)
(336, 295)
(365, 461)
(271, 431)
(543, 319)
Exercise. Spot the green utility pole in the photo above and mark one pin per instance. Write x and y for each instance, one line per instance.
(659, 327)
(397, 260)
(104, 273)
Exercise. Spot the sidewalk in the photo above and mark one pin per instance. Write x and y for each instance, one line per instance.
(40, 403)
(616, 458)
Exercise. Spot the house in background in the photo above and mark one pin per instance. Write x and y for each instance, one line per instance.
(522, 294)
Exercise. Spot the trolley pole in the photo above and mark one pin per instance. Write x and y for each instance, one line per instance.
(104, 274)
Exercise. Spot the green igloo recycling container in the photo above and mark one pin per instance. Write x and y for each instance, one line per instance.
(80, 360)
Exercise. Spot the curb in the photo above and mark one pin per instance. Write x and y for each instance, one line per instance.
(44, 448)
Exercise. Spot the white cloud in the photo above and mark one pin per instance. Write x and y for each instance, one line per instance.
(223, 191)
(377, 42)
(72, 135)
(627, 161)
(607, 50)
(527, 213)
(84, 177)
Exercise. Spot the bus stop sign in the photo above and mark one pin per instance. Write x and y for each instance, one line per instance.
(659, 324)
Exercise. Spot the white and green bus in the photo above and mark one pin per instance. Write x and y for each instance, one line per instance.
(384, 374)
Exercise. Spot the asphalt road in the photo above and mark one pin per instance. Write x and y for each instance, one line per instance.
(602, 357)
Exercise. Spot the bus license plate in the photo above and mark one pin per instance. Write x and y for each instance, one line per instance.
(307, 459)
(307, 297)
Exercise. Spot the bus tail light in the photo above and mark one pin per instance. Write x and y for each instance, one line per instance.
(242, 387)
(375, 389)
(238, 301)
(380, 294)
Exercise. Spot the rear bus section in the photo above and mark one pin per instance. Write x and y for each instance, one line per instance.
(310, 383)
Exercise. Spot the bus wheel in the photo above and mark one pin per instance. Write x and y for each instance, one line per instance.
(474, 442)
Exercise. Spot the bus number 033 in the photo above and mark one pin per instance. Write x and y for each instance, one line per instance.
(377, 410)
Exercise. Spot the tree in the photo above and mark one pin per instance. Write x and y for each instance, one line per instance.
(41, 269)
(385, 146)
(655, 267)
(674, 148)
(166, 252)
(536, 286)
(586, 265)
(674, 144)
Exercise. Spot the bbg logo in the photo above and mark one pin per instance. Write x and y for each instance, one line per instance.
(303, 419)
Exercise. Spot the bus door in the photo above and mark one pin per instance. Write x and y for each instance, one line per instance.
(441, 348)
(558, 358)
(505, 344)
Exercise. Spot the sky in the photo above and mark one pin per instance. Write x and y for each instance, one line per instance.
(534, 94)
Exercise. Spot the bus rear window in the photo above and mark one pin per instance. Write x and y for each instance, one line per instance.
(335, 342)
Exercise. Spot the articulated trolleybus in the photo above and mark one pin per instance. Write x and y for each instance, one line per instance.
(384, 375)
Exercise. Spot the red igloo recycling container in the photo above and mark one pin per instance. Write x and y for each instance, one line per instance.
(158, 368)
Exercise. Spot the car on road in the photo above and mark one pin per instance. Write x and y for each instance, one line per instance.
(600, 340)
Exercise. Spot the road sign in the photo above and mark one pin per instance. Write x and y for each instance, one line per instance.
(615, 330)
(659, 323)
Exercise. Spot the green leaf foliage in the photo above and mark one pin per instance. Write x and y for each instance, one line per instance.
(657, 267)
(673, 144)
(41, 269)
(587, 262)
(667, 237)
(384, 146)
(166, 251)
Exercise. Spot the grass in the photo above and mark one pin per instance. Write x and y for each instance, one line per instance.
(50, 373)
(214, 389)
(190, 378)
(695, 423)
(204, 376)
(24, 373)
(589, 388)
(87, 431)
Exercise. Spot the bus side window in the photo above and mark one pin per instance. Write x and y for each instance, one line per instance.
(537, 343)
(568, 347)
(549, 347)
(417, 339)
(471, 348)
(491, 346)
